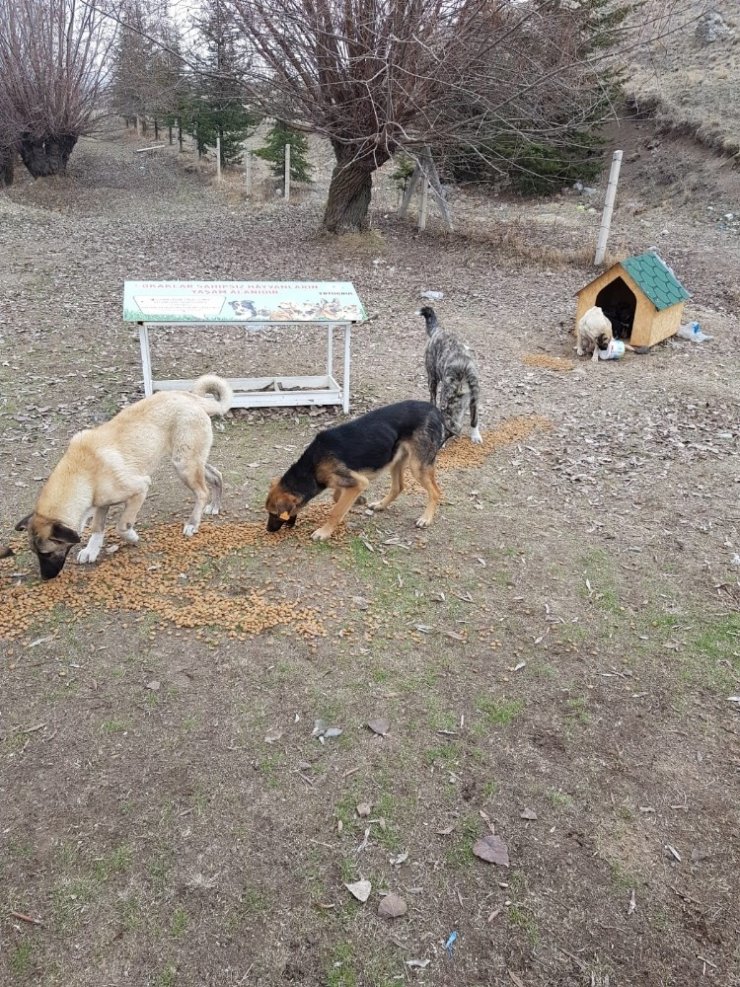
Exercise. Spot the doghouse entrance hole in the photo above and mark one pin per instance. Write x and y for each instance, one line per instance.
(618, 304)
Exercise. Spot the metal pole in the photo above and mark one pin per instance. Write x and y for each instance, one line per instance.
(345, 379)
(248, 171)
(329, 350)
(218, 159)
(606, 219)
(287, 172)
(146, 359)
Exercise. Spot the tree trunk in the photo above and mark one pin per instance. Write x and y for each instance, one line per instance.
(169, 128)
(350, 190)
(47, 155)
(7, 166)
(156, 129)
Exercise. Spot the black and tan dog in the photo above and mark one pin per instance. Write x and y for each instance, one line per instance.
(341, 459)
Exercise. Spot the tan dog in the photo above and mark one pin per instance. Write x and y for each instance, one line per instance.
(111, 464)
(594, 331)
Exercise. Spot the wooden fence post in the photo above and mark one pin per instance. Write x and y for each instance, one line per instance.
(424, 208)
(248, 172)
(218, 159)
(287, 172)
(606, 219)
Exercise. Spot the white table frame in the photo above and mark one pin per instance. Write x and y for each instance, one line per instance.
(264, 392)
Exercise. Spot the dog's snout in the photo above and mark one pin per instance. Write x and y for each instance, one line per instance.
(50, 566)
(274, 522)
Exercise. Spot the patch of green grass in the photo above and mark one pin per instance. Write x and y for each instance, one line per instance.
(69, 898)
(395, 587)
(159, 870)
(578, 711)
(20, 958)
(113, 726)
(443, 754)
(460, 853)
(387, 836)
(558, 799)
(348, 870)
(167, 977)
(500, 712)
(489, 789)
(18, 850)
(179, 923)
(598, 569)
(269, 767)
(439, 719)
(13, 743)
(115, 862)
(712, 658)
(525, 920)
(622, 879)
(252, 901)
(129, 912)
(341, 970)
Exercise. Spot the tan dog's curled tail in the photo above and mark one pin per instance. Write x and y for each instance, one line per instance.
(216, 393)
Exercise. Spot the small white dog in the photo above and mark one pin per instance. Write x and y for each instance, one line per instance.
(593, 333)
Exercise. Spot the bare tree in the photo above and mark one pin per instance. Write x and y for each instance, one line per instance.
(53, 68)
(376, 75)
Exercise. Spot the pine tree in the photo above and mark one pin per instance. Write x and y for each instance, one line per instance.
(273, 152)
(215, 106)
(542, 152)
(132, 90)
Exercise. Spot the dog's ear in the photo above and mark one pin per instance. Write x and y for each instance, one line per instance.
(60, 532)
(23, 523)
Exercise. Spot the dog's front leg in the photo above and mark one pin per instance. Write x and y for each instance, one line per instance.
(344, 501)
(91, 551)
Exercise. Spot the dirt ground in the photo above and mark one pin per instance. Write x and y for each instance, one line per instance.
(554, 658)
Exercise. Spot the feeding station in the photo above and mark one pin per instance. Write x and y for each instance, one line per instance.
(641, 296)
(207, 306)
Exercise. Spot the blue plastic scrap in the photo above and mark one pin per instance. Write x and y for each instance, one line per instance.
(449, 945)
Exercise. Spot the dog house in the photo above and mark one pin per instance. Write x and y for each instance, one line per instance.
(642, 298)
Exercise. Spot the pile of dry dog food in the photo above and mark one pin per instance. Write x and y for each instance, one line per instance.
(463, 454)
(547, 362)
(168, 575)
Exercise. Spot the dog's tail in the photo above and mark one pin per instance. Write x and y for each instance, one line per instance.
(216, 393)
(430, 317)
(474, 387)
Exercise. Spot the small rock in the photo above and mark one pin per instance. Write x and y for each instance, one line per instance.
(363, 810)
(528, 814)
(154, 685)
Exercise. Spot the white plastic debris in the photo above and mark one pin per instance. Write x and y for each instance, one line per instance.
(433, 296)
(614, 351)
(692, 332)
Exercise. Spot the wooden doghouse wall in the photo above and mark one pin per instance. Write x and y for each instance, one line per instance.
(663, 325)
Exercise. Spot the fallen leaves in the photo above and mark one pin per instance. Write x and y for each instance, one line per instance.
(360, 890)
(492, 849)
(392, 906)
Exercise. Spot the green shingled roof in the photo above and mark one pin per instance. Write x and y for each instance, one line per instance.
(656, 279)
